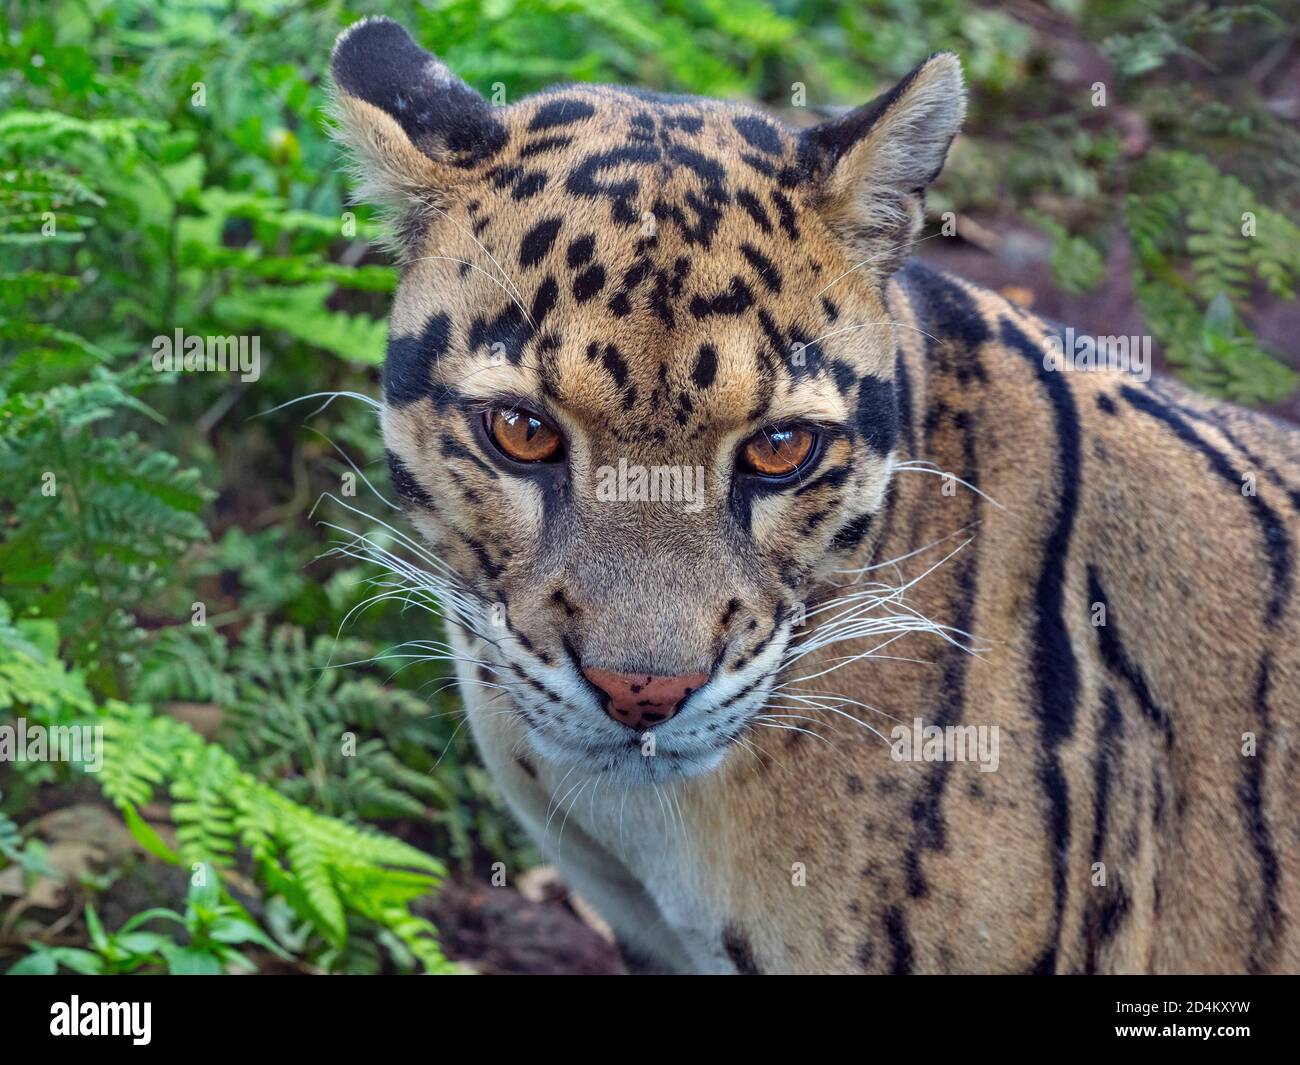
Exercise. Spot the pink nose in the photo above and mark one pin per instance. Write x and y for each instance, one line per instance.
(640, 701)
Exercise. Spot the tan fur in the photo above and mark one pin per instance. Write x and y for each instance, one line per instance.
(742, 844)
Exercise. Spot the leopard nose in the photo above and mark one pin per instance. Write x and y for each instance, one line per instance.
(640, 701)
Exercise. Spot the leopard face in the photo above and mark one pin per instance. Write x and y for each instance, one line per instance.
(639, 395)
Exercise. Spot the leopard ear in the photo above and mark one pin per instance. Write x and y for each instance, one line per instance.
(872, 165)
(413, 128)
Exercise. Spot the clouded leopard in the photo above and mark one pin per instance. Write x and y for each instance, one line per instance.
(960, 659)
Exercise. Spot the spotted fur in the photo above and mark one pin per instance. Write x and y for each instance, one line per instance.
(662, 276)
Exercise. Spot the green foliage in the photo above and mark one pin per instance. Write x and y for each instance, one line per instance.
(31, 675)
(99, 518)
(325, 869)
(1163, 34)
(312, 717)
(213, 925)
(1182, 210)
(217, 221)
(1076, 265)
(1199, 180)
(10, 837)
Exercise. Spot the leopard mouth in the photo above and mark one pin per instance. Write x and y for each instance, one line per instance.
(634, 760)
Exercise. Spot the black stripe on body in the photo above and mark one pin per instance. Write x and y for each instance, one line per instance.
(1056, 673)
(1221, 424)
(1277, 544)
(903, 385)
(949, 707)
(929, 827)
(1267, 920)
(900, 943)
(1103, 917)
(1116, 659)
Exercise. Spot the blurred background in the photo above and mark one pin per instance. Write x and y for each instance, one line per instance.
(278, 790)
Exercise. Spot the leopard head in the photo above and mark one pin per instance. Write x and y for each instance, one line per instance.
(639, 392)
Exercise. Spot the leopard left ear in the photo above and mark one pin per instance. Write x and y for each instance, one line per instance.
(412, 127)
(872, 165)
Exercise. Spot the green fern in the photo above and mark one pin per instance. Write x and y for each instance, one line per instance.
(1202, 241)
(11, 838)
(1077, 266)
(98, 519)
(1165, 35)
(325, 868)
(325, 734)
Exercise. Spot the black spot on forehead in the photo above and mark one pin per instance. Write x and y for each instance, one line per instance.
(636, 273)
(542, 145)
(706, 366)
(774, 335)
(587, 178)
(759, 133)
(737, 299)
(706, 212)
(538, 241)
(529, 185)
(408, 368)
(562, 112)
(785, 210)
(877, 416)
(509, 329)
(709, 170)
(686, 123)
(524, 184)
(763, 266)
(589, 283)
(807, 359)
(615, 364)
(581, 250)
(547, 294)
(750, 203)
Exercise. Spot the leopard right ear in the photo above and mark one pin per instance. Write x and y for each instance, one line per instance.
(873, 164)
(412, 127)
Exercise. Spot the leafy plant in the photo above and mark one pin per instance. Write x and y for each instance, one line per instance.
(323, 867)
(1184, 210)
(214, 928)
(1076, 265)
(307, 716)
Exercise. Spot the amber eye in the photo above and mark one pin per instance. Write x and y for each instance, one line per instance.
(523, 436)
(777, 452)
